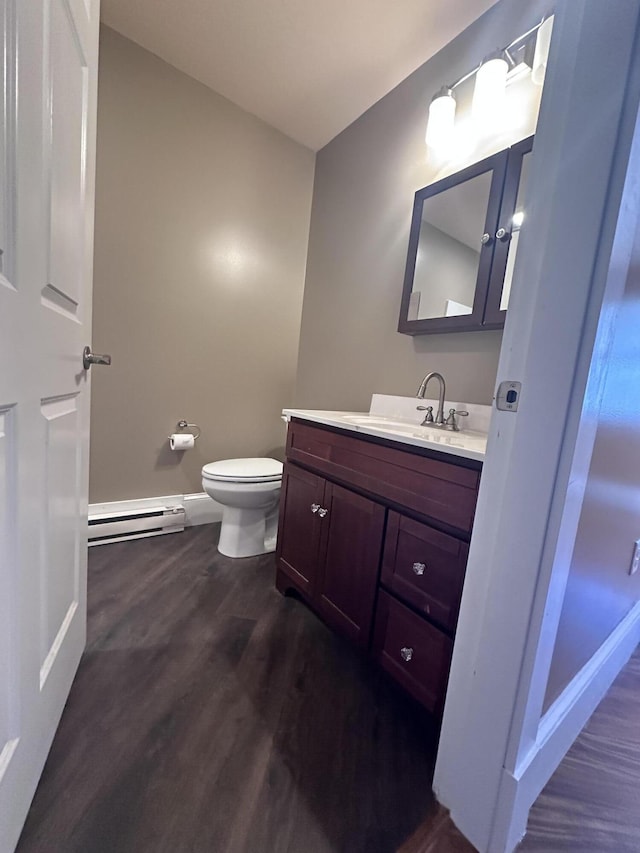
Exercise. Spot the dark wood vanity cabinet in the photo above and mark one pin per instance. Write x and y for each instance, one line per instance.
(350, 546)
(375, 538)
(299, 533)
(425, 568)
(413, 651)
(329, 545)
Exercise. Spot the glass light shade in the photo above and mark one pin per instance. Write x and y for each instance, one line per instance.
(440, 125)
(541, 54)
(488, 106)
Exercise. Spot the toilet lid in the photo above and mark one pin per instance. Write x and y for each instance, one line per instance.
(255, 470)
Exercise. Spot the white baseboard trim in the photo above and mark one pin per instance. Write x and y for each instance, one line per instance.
(199, 507)
(559, 728)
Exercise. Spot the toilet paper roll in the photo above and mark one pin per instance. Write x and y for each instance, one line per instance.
(181, 441)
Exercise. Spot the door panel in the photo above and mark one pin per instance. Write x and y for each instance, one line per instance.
(351, 545)
(47, 163)
(61, 545)
(68, 106)
(7, 590)
(299, 530)
(7, 142)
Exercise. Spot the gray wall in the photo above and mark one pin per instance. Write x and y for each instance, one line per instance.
(202, 221)
(363, 195)
(600, 591)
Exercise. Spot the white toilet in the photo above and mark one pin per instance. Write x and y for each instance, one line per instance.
(249, 490)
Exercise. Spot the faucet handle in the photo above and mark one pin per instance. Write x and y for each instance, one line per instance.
(451, 422)
(428, 418)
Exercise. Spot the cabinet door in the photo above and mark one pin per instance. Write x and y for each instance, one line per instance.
(510, 224)
(299, 529)
(450, 252)
(352, 531)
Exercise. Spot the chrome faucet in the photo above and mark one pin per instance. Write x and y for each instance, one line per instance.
(439, 419)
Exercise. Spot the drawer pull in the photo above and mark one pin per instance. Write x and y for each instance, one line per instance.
(322, 512)
(315, 507)
(406, 653)
(419, 568)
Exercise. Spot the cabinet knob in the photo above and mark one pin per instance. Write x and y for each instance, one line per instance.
(502, 234)
(485, 239)
(419, 568)
(315, 507)
(406, 653)
(322, 512)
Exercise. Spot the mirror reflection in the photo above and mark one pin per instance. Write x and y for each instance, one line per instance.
(516, 225)
(448, 251)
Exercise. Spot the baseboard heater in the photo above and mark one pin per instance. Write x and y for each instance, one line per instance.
(135, 524)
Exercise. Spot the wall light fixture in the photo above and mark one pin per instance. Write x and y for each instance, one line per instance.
(490, 88)
(541, 55)
(442, 117)
(528, 54)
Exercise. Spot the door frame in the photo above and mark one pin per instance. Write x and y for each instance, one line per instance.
(496, 750)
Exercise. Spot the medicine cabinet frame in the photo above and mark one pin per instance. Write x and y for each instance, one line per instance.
(505, 168)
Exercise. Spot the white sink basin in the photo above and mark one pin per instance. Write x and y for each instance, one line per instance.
(378, 422)
(397, 419)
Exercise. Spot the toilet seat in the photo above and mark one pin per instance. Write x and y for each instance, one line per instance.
(248, 491)
(251, 470)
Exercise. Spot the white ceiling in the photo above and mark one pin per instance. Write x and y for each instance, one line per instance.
(307, 67)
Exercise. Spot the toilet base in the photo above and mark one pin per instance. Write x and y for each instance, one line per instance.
(247, 532)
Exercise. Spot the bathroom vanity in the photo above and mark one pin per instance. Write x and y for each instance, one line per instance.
(373, 534)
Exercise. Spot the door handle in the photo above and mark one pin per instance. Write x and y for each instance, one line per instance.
(89, 358)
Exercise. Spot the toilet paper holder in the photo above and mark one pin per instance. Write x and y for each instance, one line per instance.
(183, 425)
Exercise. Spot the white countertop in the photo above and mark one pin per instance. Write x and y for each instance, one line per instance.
(468, 443)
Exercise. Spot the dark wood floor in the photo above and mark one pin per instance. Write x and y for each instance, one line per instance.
(592, 802)
(211, 715)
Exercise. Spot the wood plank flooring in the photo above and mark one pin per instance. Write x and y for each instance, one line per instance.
(591, 804)
(211, 714)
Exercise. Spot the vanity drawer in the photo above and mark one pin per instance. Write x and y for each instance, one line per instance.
(413, 651)
(425, 568)
(443, 491)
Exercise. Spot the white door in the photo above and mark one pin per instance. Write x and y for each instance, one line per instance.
(47, 160)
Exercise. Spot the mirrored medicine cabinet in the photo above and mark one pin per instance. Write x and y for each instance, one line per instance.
(462, 246)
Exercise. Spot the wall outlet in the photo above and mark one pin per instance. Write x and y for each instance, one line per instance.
(635, 560)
